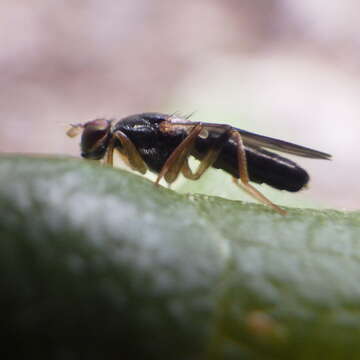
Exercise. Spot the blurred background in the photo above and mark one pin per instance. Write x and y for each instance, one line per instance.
(287, 69)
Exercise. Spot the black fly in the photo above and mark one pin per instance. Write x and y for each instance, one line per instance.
(163, 143)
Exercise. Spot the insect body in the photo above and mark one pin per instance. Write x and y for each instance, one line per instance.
(163, 144)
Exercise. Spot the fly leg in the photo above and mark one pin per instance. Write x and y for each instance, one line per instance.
(129, 152)
(175, 161)
(244, 176)
(109, 156)
(209, 158)
(213, 154)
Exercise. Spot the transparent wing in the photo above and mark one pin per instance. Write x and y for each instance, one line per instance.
(255, 140)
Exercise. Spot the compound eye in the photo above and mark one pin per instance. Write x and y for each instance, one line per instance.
(94, 135)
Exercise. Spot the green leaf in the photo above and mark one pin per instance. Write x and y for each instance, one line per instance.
(99, 262)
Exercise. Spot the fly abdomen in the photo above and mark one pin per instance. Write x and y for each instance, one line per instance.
(263, 166)
(272, 169)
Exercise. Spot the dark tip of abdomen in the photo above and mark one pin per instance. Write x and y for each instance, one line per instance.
(293, 182)
(276, 171)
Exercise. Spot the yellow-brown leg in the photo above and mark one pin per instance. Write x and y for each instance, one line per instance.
(129, 150)
(205, 163)
(109, 157)
(175, 161)
(244, 176)
(210, 157)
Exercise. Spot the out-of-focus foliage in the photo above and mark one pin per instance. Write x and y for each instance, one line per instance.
(98, 262)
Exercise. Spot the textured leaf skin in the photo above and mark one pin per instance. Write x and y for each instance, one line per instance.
(100, 263)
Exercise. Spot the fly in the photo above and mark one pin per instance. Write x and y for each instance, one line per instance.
(163, 144)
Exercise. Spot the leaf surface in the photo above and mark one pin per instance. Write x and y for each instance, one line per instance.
(88, 252)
